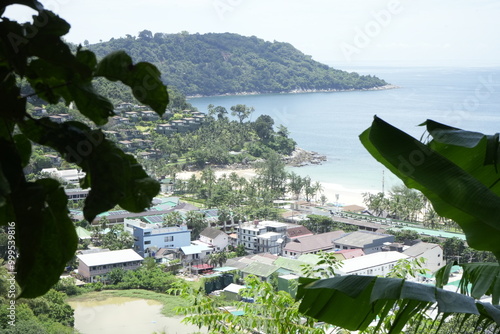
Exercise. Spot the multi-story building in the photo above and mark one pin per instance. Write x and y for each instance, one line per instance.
(262, 236)
(100, 264)
(149, 238)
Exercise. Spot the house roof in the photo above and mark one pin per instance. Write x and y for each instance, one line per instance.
(312, 243)
(298, 231)
(369, 261)
(419, 249)
(211, 232)
(353, 208)
(290, 264)
(111, 257)
(360, 238)
(234, 288)
(351, 253)
(260, 269)
(82, 233)
(194, 249)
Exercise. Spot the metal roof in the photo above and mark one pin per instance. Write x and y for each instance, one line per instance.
(111, 257)
(260, 269)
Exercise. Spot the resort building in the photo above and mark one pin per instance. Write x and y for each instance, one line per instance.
(101, 263)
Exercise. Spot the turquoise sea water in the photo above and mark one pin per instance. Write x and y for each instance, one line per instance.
(330, 123)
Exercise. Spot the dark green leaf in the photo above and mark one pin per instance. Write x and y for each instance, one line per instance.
(453, 191)
(23, 148)
(115, 178)
(143, 78)
(351, 303)
(30, 3)
(45, 236)
(48, 23)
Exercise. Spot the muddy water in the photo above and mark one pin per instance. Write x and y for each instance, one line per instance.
(123, 315)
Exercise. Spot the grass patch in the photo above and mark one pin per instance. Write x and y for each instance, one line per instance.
(169, 302)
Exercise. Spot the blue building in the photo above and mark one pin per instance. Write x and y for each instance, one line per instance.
(151, 237)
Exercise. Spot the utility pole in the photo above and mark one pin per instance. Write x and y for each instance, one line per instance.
(383, 185)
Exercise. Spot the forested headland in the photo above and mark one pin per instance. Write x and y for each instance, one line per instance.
(218, 64)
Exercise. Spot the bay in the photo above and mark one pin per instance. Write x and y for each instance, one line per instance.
(330, 123)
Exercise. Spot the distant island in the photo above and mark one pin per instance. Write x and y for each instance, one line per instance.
(230, 64)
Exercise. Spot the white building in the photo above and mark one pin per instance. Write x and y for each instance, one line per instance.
(375, 264)
(195, 254)
(214, 237)
(255, 238)
(99, 264)
(67, 175)
(433, 254)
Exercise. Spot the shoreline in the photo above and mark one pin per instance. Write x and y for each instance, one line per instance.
(347, 196)
(298, 91)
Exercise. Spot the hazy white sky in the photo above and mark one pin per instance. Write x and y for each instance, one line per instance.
(348, 32)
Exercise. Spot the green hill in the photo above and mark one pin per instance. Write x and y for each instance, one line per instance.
(216, 64)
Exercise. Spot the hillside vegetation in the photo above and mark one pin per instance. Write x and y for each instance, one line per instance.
(216, 64)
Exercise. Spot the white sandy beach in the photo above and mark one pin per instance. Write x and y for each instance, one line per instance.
(330, 190)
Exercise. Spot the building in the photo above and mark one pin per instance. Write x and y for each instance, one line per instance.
(67, 175)
(369, 242)
(433, 254)
(101, 263)
(311, 244)
(76, 194)
(261, 270)
(214, 238)
(375, 264)
(148, 238)
(262, 236)
(195, 254)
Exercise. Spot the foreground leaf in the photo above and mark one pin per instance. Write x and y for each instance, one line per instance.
(354, 302)
(114, 178)
(143, 78)
(45, 236)
(455, 193)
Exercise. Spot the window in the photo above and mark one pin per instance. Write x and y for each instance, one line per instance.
(147, 233)
(147, 242)
(169, 238)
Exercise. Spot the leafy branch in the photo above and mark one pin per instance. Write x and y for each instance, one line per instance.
(45, 237)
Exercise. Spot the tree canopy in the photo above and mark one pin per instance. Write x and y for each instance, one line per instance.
(215, 64)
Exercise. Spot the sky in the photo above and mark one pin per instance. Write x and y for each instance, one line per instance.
(336, 32)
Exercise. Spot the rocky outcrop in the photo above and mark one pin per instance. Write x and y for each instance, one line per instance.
(301, 157)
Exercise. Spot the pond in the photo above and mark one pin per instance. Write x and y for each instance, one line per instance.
(124, 315)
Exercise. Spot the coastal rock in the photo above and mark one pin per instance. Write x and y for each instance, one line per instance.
(301, 157)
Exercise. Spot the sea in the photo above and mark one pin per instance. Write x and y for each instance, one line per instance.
(330, 123)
